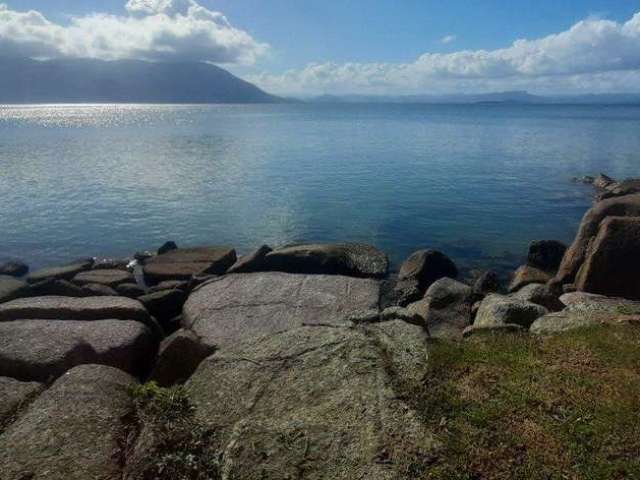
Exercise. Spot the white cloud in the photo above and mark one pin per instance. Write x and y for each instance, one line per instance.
(448, 39)
(594, 54)
(153, 30)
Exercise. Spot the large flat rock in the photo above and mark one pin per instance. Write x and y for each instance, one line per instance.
(331, 399)
(244, 305)
(109, 277)
(72, 308)
(351, 259)
(183, 263)
(11, 288)
(65, 272)
(42, 350)
(14, 395)
(73, 431)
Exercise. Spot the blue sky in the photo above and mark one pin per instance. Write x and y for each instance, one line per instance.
(294, 46)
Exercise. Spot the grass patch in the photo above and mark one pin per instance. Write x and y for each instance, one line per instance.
(172, 444)
(513, 406)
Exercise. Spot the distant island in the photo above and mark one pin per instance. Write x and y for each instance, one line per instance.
(125, 81)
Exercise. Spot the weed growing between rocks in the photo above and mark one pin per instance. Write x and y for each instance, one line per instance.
(512, 406)
(172, 444)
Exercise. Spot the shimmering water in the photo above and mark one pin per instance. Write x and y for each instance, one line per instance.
(477, 181)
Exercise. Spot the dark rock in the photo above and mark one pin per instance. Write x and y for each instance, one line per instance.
(427, 266)
(11, 288)
(603, 181)
(501, 310)
(167, 247)
(111, 264)
(181, 264)
(142, 256)
(178, 357)
(130, 290)
(399, 313)
(15, 396)
(349, 259)
(333, 391)
(626, 187)
(72, 431)
(170, 285)
(111, 278)
(253, 262)
(526, 275)
(488, 282)
(492, 329)
(164, 305)
(627, 206)
(612, 262)
(540, 295)
(69, 308)
(52, 286)
(14, 269)
(546, 254)
(42, 350)
(98, 290)
(406, 292)
(66, 272)
(239, 306)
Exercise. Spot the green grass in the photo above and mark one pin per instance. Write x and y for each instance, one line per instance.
(176, 445)
(513, 406)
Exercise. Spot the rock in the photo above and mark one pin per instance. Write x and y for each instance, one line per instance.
(11, 288)
(488, 282)
(42, 350)
(602, 181)
(540, 295)
(253, 262)
(446, 308)
(143, 255)
(72, 431)
(575, 297)
(587, 304)
(167, 247)
(130, 290)
(331, 399)
(178, 357)
(111, 264)
(427, 266)
(164, 305)
(399, 313)
(170, 285)
(612, 262)
(14, 269)
(558, 322)
(349, 259)
(66, 272)
(501, 310)
(505, 328)
(239, 306)
(111, 278)
(406, 292)
(182, 263)
(546, 255)
(69, 308)
(627, 206)
(15, 396)
(97, 290)
(526, 275)
(52, 286)
(619, 189)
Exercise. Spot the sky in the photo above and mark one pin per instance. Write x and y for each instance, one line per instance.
(391, 47)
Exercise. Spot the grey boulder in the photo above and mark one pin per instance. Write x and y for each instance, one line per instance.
(183, 263)
(501, 310)
(108, 277)
(14, 396)
(427, 266)
(11, 288)
(65, 272)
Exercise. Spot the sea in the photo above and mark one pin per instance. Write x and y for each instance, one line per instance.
(478, 182)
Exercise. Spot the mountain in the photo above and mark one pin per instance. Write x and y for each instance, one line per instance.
(124, 81)
(517, 97)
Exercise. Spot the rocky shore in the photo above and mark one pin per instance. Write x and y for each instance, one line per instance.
(295, 357)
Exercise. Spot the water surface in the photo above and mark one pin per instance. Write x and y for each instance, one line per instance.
(478, 181)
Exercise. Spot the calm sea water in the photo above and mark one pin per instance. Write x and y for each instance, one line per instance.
(478, 182)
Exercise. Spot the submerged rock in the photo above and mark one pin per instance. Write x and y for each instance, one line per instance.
(42, 350)
(183, 263)
(72, 431)
(546, 255)
(14, 269)
(612, 262)
(239, 306)
(349, 259)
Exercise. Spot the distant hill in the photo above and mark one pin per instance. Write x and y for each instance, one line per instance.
(517, 97)
(124, 81)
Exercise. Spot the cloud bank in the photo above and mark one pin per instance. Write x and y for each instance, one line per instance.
(593, 55)
(154, 30)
